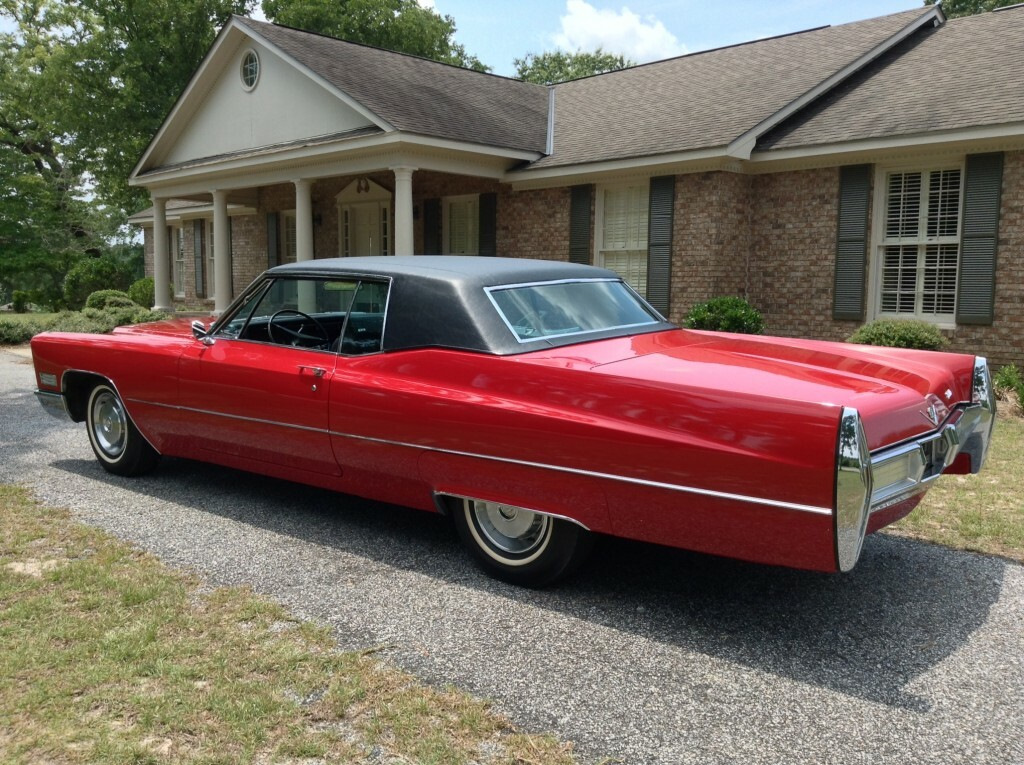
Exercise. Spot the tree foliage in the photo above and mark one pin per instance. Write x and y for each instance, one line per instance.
(398, 25)
(955, 8)
(558, 66)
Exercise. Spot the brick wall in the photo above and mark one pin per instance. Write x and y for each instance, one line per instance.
(770, 238)
(792, 254)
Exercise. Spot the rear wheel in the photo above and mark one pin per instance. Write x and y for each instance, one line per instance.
(519, 545)
(115, 440)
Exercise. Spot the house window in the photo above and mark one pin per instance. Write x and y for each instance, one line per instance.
(288, 237)
(250, 69)
(622, 233)
(211, 271)
(178, 271)
(461, 225)
(918, 257)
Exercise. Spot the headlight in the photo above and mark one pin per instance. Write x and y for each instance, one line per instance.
(853, 489)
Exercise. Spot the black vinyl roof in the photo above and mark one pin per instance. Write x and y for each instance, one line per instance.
(440, 301)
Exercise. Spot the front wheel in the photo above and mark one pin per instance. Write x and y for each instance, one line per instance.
(117, 443)
(518, 545)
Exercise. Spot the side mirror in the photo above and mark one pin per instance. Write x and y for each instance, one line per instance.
(199, 331)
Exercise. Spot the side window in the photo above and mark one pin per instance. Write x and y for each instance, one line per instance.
(364, 329)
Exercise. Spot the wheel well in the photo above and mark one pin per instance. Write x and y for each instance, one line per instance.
(76, 391)
(446, 504)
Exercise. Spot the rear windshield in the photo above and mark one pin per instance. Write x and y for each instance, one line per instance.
(564, 308)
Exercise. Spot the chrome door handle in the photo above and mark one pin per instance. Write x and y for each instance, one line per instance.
(317, 371)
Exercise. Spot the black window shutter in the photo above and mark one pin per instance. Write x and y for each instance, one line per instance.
(579, 223)
(272, 241)
(197, 252)
(659, 241)
(852, 242)
(488, 229)
(431, 226)
(982, 187)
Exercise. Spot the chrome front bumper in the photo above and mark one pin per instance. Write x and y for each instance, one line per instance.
(54, 403)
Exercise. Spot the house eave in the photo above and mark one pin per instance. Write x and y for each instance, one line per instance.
(1006, 137)
(312, 159)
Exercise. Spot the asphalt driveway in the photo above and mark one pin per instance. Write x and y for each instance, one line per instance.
(649, 656)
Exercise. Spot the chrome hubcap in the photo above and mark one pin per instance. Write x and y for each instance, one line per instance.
(109, 424)
(510, 529)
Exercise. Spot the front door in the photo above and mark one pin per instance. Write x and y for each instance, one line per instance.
(366, 229)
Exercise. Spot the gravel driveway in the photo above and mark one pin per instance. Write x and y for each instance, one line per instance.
(649, 656)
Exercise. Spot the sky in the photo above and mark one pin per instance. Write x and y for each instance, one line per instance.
(499, 31)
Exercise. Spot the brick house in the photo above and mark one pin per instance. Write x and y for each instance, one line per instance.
(830, 177)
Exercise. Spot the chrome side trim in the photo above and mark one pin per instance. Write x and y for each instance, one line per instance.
(607, 476)
(438, 494)
(54, 403)
(524, 463)
(853, 489)
(243, 418)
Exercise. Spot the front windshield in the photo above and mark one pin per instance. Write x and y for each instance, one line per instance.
(558, 309)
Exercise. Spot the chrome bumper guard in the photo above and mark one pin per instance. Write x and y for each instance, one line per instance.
(867, 483)
(54, 403)
(901, 472)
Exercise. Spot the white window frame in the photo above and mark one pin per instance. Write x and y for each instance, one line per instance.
(643, 187)
(288, 247)
(879, 241)
(473, 245)
(178, 264)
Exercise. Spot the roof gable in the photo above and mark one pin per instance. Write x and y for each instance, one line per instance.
(963, 75)
(419, 96)
(215, 115)
(709, 100)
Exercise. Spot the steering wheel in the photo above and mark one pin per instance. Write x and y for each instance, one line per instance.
(299, 337)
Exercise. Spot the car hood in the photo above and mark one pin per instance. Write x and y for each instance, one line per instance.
(900, 394)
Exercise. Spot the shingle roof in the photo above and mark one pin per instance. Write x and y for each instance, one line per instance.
(703, 100)
(419, 96)
(966, 73)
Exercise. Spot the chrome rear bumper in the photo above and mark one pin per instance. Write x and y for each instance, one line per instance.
(902, 471)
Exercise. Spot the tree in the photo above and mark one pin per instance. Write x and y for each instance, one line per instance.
(558, 66)
(955, 8)
(398, 25)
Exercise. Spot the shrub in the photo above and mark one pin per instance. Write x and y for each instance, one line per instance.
(726, 314)
(110, 299)
(900, 333)
(16, 332)
(1009, 384)
(142, 292)
(92, 274)
(19, 300)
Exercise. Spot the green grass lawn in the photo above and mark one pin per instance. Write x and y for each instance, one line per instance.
(28, 318)
(982, 512)
(106, 655)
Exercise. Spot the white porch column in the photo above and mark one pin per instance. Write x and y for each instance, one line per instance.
(221, 253)
(161, 258)
(403, 210)
(303, 219)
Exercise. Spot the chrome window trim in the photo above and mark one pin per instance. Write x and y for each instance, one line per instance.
(775, 503)
(656, 317)
(267, 283)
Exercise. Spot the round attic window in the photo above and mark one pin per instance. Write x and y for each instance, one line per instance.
(250, 69)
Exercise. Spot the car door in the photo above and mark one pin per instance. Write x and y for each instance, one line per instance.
(253, 390)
